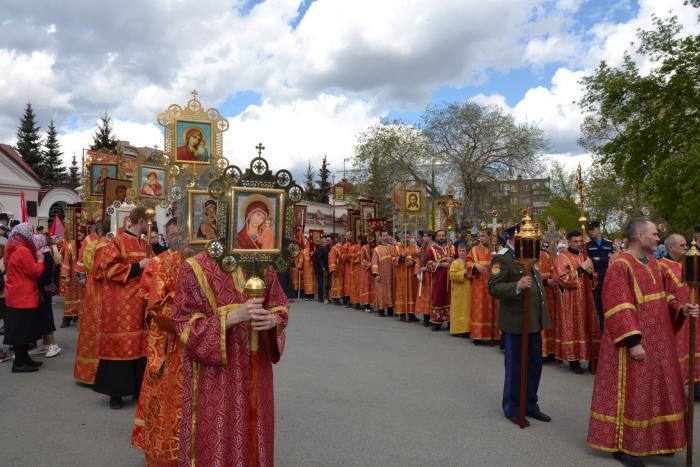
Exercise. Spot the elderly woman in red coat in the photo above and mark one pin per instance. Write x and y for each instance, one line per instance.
(24, 265)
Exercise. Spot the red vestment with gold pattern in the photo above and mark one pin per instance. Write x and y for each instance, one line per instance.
(673, 279)
(70, 288)
(638, 407)
(352, 276)
(438, 260)
(86, 355)
(424, 292)
(308, 271)
(217, 366)
(405, 282)
(367, 295)
(483, 312)
(546, 268)
(347, 269)
(578, 327)
(159, 412)
(336, 266)
(383, 275)
(122, 328)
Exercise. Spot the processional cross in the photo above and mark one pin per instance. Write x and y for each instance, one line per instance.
(449, 205)
(260, 149)
(494, 226)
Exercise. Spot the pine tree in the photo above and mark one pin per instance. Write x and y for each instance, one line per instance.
(323, 182)
(103, 139)
(54, 171)
(29, 141)
(309, 186)
(74, 173)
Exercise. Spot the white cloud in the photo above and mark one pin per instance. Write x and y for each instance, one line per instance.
(299, 131)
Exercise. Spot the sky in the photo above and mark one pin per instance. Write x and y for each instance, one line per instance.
(305, 77)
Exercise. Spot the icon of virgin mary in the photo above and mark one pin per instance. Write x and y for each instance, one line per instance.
(257, 232)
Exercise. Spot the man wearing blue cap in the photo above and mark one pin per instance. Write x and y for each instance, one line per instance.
(599, 250)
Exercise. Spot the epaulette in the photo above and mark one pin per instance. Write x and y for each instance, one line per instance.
(502, 251)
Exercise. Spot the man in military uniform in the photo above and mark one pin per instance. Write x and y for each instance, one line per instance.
(508, 284)
(599, 251)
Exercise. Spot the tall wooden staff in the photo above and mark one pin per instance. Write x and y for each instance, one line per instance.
(254, 288)
(150, 214)
(691, 276)
(581, 188)
(494, 248)
(527, 253)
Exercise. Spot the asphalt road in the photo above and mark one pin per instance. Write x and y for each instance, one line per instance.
(352, 389)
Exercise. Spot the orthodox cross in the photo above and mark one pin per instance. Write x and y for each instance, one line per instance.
(449, 205)
(581, 188)
(494, 226)
(260, 149)
(194, 94)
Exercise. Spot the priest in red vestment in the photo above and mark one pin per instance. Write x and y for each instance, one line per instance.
(365, 275)
(336, 266)
(546, 268)
(214, 318)
(438, 259)
(86, 359)
(638, 406)
(159, 412)
(405, 282)
(425, 279)
(122, 344)
(383, 273)
(672, 271)
(483, 311)
(70, 288)
(578, 327)
(351, 252)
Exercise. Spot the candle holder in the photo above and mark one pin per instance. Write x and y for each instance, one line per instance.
(528, 243)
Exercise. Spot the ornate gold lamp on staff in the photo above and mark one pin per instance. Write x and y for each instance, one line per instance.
(581, 188)
(527, 253)
(150, 214)
(691, 276)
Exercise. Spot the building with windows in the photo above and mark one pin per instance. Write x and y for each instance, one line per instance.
(509, 197)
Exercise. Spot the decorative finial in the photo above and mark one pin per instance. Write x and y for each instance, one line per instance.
(194, 94)
(260, 149)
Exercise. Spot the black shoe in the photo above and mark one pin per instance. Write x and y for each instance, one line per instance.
(65, 322)
(436, 327)
(34, 363)
(549, 359)
(626, 459)
(402, 318)
(543, 417)
(412, 318)
(390, 312)
(380, 313)
(76, 318)
(426, 320)
(24, 369)
(516, 420)
(576, 368)
(115, 402)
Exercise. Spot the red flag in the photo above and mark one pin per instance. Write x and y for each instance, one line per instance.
(57, 228)
(22, 208)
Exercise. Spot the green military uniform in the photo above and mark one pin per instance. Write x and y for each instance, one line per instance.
(504, 275)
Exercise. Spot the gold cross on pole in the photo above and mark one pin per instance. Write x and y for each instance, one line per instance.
(260, 149)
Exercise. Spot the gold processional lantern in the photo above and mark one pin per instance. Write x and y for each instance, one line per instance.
(691, 269)
(691, 276)
(527, 243)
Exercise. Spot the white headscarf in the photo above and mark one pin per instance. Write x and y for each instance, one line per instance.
(23, 230)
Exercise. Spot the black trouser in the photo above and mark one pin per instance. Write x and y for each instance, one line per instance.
(21, 355)
(597, 299)
(319, 287)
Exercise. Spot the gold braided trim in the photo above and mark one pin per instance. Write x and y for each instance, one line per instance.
(670, 298)
(195, 397)
(620, 307)
(139, 422)
(626, 335)
(685, 357)
(621, 383)
(664, 265)
(203, 284)
(640, 423)
(186, 332)
(635, 453)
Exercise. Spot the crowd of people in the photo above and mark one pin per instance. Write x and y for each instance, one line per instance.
(171, 328)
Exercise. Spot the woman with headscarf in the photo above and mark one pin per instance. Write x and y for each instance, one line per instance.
(24, 265)
(45, 325)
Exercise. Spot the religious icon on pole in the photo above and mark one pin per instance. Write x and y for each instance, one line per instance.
(201, 217)
(413, 201)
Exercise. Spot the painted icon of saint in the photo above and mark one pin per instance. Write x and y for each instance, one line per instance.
(151, 187)
(194, 147)
(257, 232)
(207, 228)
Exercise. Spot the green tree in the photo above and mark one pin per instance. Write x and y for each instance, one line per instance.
(323, 181)
(645, 126)
(309, 185)
(54, 171)
(74, 173)
(103, 138)
(562, 203)
(29, 141)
